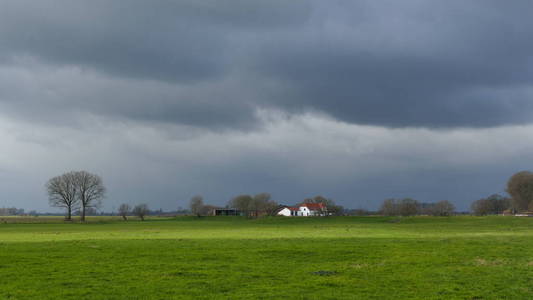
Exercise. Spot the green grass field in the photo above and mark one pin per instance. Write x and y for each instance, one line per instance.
(268, 258)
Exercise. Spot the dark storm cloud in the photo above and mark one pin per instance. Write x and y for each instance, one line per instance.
(212, 63)
(454, 64)
(402, 91)
(161, 40)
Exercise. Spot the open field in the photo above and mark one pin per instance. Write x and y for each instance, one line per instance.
(297, 258)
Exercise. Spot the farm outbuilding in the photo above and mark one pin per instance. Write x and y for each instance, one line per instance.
(304, 210)
(228, 212)
(288, 211)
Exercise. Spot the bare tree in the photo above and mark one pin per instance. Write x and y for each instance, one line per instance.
(124, 209)
(408, 207)
(91, 190)
(197, 205)
(389, 207)
(494, 204)
(242, 203)
(520, 187)
(442, 208)
(256, 205)
(271, 208)
(481, 207)
(399, 207)
(141, 210)
(500, 203)
(260, 203)
(63, 192)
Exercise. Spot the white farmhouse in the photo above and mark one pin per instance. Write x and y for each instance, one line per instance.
(304, 210)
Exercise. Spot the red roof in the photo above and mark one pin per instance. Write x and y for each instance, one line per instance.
(314, 206)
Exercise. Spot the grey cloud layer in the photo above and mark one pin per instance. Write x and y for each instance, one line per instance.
(292, 158)
(213, 63)
(357, 100)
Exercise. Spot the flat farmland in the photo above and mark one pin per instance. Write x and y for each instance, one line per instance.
(267, 258)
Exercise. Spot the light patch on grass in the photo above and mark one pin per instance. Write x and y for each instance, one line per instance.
(359, 266)
(485, 262)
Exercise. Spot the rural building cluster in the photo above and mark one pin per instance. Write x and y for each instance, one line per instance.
(301, 210)
(304, 210)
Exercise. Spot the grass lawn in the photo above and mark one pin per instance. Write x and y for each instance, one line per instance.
(268, 258)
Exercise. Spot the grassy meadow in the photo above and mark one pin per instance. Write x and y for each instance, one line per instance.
(267, 258)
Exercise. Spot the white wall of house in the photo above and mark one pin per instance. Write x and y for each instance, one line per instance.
(285, 212)
(303, 211)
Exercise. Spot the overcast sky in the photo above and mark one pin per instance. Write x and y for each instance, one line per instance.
(354, 100)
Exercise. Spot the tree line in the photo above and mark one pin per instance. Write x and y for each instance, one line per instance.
(256, 205)
(251, 206)
(81, 192)
(11, 211)
(411, 207)
(140, 210)
(492, 205)
(519, 187)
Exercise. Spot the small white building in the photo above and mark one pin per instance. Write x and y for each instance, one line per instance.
(304, 210)
(285, 211)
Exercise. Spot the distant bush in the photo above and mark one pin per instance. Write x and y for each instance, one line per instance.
(196, 205)
(11, 211)
(411, 207)
(494, 204)
(141, 210)
(123, 210)
(389, 207)
(399, 207)
(408, 207)
(440, 209)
